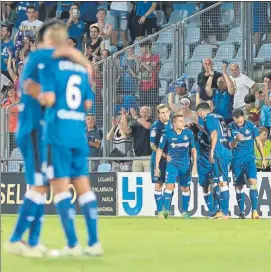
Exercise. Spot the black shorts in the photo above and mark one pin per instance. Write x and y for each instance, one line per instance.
(149, 25)
(148, 98)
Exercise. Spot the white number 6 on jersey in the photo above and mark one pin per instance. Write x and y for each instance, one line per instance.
(73, 93)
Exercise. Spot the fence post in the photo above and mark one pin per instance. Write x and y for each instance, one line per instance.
(243, 41)
(181, 48)
(105, 109)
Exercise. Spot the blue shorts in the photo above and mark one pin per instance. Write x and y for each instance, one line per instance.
(120, 19)
(204, 173)
(174, 172)
(162, 167)
(33, 151)
(243, 170)
(66, 163)
(220, 170)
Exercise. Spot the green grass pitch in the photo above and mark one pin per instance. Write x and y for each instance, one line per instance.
(148, 244)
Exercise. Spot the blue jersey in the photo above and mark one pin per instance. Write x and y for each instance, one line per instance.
(157, 130)
(179, 146)
(30, 111)
(65, 120)
(214, 122)
(203, 147)
(244, 150)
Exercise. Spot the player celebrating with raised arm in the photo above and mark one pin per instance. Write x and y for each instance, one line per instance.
(241, 135)
(157, 129)
(216, 129)
(67, 95)
(181, 143)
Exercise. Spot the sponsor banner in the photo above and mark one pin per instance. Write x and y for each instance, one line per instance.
(104, 185)
(136, 197)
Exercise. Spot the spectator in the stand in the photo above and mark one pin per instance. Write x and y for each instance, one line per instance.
(72, 42)
(122, 145)
(140, 131)
(89, 50)
(31, 25)
(223, 95)
(8, 14)
(145, 18)
(95, 41)
(105, 54)
(75, 25)
(6, 44)
(132, 23)
(14, 72)
(252, 113)
(21, 11)
(184, 107)
(266, 149)
(128, 80)
(243, 84)
(265, 118)
(120, 12)
(11, 105)
(149, 67)
(47, 10)
(94, 138)
(88, 13)
(105, 29)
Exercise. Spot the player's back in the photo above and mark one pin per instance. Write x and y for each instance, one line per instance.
(215, 122)
(179, 146)
(30, 110)
(65, 120)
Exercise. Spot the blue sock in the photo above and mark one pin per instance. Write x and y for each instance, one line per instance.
(88, 204)
(167, 199)
(208, 197)
(27, 213)
(35, 227)
(240, 197)
(186, 199)
(253, 194)
(224, 199)
(159, 200)
(66, 212)
(216, 198)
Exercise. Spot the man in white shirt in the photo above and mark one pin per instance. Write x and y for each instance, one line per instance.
(31, 25)
(243, 84)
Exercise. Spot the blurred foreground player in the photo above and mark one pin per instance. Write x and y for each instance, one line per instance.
(241, 135)
(157, 129)
(181, 144)
(29, 140)
(67, 95)
(216, 129)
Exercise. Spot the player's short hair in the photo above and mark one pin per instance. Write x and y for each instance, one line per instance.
(175, 116)
(30, 7)
(237, 113)
(263, 129)
(161, 106)
(97, 28)
(45, 26)
(203, 106)
(57, 33)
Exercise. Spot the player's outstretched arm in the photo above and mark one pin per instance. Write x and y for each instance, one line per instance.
(260, 148)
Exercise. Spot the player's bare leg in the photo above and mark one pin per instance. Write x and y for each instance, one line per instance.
(253, 194)
(88, 203)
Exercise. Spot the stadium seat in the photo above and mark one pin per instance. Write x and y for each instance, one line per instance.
(161, 50)
(227, 17)
(191, 8)
(201, 51)
(234, 37)
(175, 17)
(264, 54)
(104, 168)
(225, 52)
(160, 17)
(166, 37)
(192, 35)
(167, 72)
(163, 87)
(14, 166)
(193, 69)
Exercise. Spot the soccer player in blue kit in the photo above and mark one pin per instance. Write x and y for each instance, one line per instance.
(216, 129)
(29, 140)
(157, 129)
(181, 144)
(67, 95)
(241, 136)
